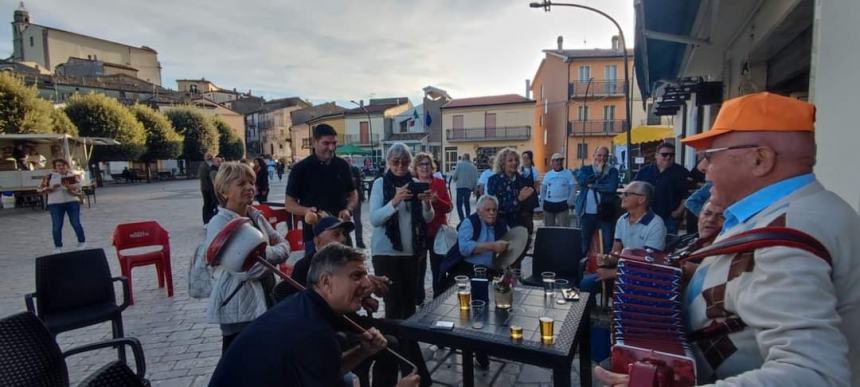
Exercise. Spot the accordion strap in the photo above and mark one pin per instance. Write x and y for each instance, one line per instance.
(760, 238)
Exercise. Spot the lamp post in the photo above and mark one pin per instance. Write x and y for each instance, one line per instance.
(369, 127)
(585, 120)
(546, 4)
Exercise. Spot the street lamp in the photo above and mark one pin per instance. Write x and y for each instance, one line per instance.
(369, 127)
(546, 4)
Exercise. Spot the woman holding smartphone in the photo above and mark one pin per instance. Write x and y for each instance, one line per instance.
(63, 188)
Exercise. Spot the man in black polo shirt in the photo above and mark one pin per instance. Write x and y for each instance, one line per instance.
(321, 182)
(294, 343)
(670, 183)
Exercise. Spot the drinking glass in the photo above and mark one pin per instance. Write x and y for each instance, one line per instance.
(462, 281)
(478, 307)
(465, 297)
(546, 327)
(548, 283)
(480, 272)
(561, 285)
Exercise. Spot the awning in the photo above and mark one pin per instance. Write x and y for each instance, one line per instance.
(350, 149)
(645, 133)
(659, 60)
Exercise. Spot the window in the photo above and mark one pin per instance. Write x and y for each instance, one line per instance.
(450, 158)
(541, 89)
(582, 113)
(610, 74)
(608, 118)
(584, 73)
(582, 151)
(192, 88)
(363, 132)
(490, 125)
(32, 43)
(457, 126)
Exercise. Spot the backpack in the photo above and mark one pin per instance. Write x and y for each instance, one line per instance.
(200, 274)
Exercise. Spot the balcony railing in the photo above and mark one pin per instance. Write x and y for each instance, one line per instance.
(595, 127)
(610, 88)
(357, 139)
(482, 134)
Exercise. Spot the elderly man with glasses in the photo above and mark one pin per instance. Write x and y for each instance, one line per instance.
(670, 184)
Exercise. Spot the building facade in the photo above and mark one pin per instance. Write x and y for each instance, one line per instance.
(269, 127)
(367, 125)
(305, 119)
(580, 99)
(799, 48)
(50, 47)
(482, 126)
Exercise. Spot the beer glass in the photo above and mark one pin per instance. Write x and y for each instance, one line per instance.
(462, 281)
(480, 272)
(516, 332)
(546, 326)
(465, 297)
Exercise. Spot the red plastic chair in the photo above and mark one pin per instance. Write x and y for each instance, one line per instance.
(296, 240)
(142, 234)
(275, 216)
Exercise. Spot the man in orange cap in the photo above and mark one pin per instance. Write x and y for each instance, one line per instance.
(794, 315)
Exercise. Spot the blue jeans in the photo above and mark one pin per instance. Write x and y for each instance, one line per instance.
(463, 196)
(74, 210)
(589, 224)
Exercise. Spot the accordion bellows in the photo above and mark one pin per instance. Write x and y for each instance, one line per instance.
(649, 342)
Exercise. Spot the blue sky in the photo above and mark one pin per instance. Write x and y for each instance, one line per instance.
(327, 50)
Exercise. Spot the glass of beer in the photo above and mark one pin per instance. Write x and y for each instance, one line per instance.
(478, 307)
(548, 283)
(462, 281)
(465, 297)
(546, 325)
(516, 332)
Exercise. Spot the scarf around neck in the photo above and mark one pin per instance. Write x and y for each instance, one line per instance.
(390, 182)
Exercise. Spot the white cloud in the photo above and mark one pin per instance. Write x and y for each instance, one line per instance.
(339, 50)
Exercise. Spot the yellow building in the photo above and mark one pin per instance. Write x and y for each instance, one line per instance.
(481, 126)
(50, 47)
(305, 119)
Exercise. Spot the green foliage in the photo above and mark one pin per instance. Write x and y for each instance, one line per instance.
(200, 135)
(230, 145)
(97, 115)
(61, 123)
(22, 111)
(162, 141)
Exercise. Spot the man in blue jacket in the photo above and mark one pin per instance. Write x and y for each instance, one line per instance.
(595, 203)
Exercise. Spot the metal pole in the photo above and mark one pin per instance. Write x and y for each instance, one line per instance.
(585, 118)
(546, 4)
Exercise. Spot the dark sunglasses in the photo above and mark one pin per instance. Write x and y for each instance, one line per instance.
(667, 154)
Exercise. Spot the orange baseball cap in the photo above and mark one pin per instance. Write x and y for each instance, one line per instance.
(759, 112)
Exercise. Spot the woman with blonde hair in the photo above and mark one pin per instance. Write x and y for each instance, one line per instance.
(424, 168)
(237, 299)
(509, 187)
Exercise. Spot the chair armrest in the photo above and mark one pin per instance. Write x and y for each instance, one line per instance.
(28, 300)
(125, 292)
(136, 348)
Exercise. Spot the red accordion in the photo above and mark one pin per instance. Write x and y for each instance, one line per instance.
(647, 325)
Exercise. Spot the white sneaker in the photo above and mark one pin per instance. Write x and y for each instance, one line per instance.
(58, 250)
(82, 245)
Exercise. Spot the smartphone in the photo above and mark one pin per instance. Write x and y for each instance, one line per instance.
(417, 187)
(443, 325)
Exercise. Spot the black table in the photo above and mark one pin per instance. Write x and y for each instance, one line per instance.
(570, 329)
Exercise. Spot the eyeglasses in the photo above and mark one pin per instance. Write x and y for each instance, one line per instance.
(401, 162)
(708, 153)
(667, 154)
(424, 164)
(626, 194)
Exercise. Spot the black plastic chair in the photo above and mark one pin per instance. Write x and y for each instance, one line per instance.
(557, 249)
(29, 356)
(75, 290)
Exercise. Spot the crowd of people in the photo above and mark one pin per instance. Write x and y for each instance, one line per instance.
(790, 311)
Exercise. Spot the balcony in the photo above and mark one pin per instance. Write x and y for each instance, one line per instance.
(357, 139)
(595, 127)
(485, 134)
(610, 88)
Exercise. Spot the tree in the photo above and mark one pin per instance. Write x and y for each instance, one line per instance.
(22, 111)
(97, 115)
(61, 123)
(200, 135)
(162, 141)
(229, 144)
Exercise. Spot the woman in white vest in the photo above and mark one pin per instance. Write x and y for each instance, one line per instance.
(63, 188)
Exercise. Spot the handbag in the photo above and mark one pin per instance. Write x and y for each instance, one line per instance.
(446, 237)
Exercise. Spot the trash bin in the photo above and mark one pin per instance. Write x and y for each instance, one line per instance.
(8, 199)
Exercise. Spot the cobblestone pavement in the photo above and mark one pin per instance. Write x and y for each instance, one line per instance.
(181, 349)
